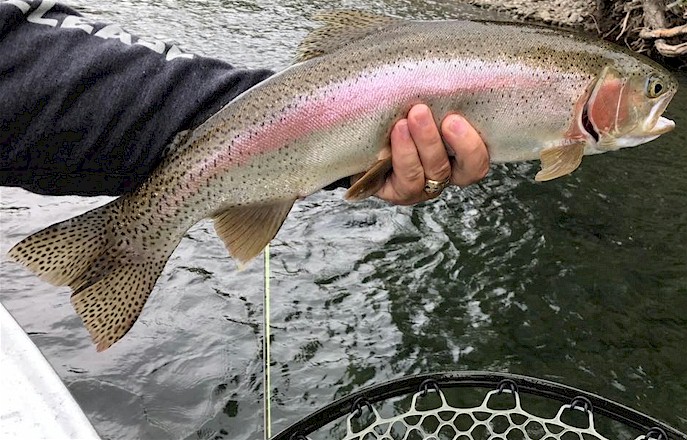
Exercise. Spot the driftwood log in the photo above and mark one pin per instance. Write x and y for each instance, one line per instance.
(657, 28)
(646, 25)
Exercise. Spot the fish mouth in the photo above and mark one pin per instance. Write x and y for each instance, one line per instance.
(663, 125)
(657, 124)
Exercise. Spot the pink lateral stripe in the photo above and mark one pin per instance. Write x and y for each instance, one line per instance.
(359, 96)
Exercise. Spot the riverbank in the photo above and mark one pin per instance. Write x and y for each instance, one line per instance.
(657, 28)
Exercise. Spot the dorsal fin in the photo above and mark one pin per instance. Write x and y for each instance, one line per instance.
(340, 28)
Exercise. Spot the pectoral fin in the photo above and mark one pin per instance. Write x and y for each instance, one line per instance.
(560, 161)
(371, 181)
(246, 230)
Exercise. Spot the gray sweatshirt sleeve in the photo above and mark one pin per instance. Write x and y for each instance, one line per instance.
(87, 108)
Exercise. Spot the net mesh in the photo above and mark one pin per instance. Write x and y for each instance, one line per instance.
(484, 421)
(417, 408)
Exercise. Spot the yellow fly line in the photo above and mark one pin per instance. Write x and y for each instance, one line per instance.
(267, 387)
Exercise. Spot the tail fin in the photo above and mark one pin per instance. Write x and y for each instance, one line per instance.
(91, 253)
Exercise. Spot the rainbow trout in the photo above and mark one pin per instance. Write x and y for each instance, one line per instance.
(531, 92)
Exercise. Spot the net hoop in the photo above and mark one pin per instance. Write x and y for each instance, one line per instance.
(352, 405)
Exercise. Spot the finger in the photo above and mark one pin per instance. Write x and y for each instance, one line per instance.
(430, 145)
(471, 162)
(406, 183)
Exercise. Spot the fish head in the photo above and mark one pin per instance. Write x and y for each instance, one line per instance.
(625, 106)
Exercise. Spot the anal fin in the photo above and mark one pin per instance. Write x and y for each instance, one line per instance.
(246, 230)
(371, 181)
(560, 161)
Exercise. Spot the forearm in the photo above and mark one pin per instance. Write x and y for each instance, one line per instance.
(88, 109)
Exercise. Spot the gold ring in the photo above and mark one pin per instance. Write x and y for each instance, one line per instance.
(434, 187)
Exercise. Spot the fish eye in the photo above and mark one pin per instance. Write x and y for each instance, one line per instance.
(654, 87)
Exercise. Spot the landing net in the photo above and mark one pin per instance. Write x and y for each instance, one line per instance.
(430, 415)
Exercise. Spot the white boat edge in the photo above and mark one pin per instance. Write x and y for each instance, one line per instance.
(35, 403)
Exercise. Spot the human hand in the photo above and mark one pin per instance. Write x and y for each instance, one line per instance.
(418, 154)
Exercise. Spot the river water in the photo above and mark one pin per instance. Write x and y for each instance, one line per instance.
(582, 280)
